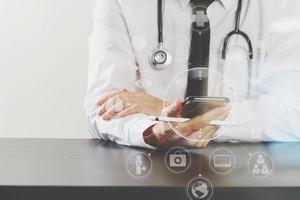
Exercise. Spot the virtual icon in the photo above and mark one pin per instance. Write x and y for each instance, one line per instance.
(199, 188)
(265, 170)
(139, 165)
(177, 160)
(260, 160)
(222, 161)
(255, 169)
(260, 165)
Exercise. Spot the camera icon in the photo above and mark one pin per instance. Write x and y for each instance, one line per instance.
(177, 160)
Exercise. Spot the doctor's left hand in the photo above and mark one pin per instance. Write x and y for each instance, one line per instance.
(124, 103)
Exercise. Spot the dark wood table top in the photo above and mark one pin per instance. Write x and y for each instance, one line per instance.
(51, 163)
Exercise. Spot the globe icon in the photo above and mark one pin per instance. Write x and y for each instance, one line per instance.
(200, 189)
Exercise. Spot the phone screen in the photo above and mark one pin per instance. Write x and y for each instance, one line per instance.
(197, 106)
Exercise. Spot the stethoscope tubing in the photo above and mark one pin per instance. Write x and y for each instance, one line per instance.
(237, 31)
(160, 21)
(227, 38)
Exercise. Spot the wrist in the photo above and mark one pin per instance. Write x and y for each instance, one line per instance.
(149, 136)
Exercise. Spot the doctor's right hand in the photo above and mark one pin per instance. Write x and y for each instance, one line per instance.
(167, 135)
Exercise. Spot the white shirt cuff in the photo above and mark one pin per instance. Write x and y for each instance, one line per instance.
(246, 126)
(135, 130)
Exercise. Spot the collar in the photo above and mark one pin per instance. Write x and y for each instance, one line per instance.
(225, 3)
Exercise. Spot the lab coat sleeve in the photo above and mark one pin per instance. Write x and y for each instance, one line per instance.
(112, 67)
(275, 115)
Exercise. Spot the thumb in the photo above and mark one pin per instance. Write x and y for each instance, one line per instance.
(174, 110)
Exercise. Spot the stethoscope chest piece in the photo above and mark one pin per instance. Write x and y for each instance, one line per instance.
(160, 59)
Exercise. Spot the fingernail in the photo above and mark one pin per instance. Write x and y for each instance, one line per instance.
(105, 117)
(99, 102)
(100, 112)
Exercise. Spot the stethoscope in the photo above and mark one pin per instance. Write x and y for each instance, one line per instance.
(161, 58)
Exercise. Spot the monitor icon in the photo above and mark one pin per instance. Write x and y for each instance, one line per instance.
(223, 161)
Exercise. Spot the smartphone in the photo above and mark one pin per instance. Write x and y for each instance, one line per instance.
(196, 106)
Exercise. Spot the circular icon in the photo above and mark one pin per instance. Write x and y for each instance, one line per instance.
(177, 89)
(199, 188)
(260, 165)
(222, 161)
(178, 160)
(139, 165)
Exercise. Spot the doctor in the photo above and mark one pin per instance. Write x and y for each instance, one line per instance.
(124, 88)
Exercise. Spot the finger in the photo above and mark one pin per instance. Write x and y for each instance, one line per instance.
(204, 140)
(187, 128)
(174, 109)
(115, 100)
(129, 111)
(210, 131)
(105, 107)
(198, 136)
(209, 136)
(224, 115)
(211, 115)
(109, 114)
(105, 98)
(221, 117)
(165, 134)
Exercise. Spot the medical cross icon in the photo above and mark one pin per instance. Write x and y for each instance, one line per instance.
(200, 18)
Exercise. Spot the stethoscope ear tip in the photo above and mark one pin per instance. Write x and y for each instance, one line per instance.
(251, 56)
(223, 54)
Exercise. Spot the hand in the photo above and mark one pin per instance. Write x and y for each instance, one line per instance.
(124, 103)
(162, 134)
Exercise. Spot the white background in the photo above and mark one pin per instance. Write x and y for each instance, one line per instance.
(43, 67)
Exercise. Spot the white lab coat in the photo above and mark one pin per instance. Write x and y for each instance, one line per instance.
(125, 34)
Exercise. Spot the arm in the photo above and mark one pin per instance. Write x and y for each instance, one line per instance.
(275, 116)
(112, 67)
